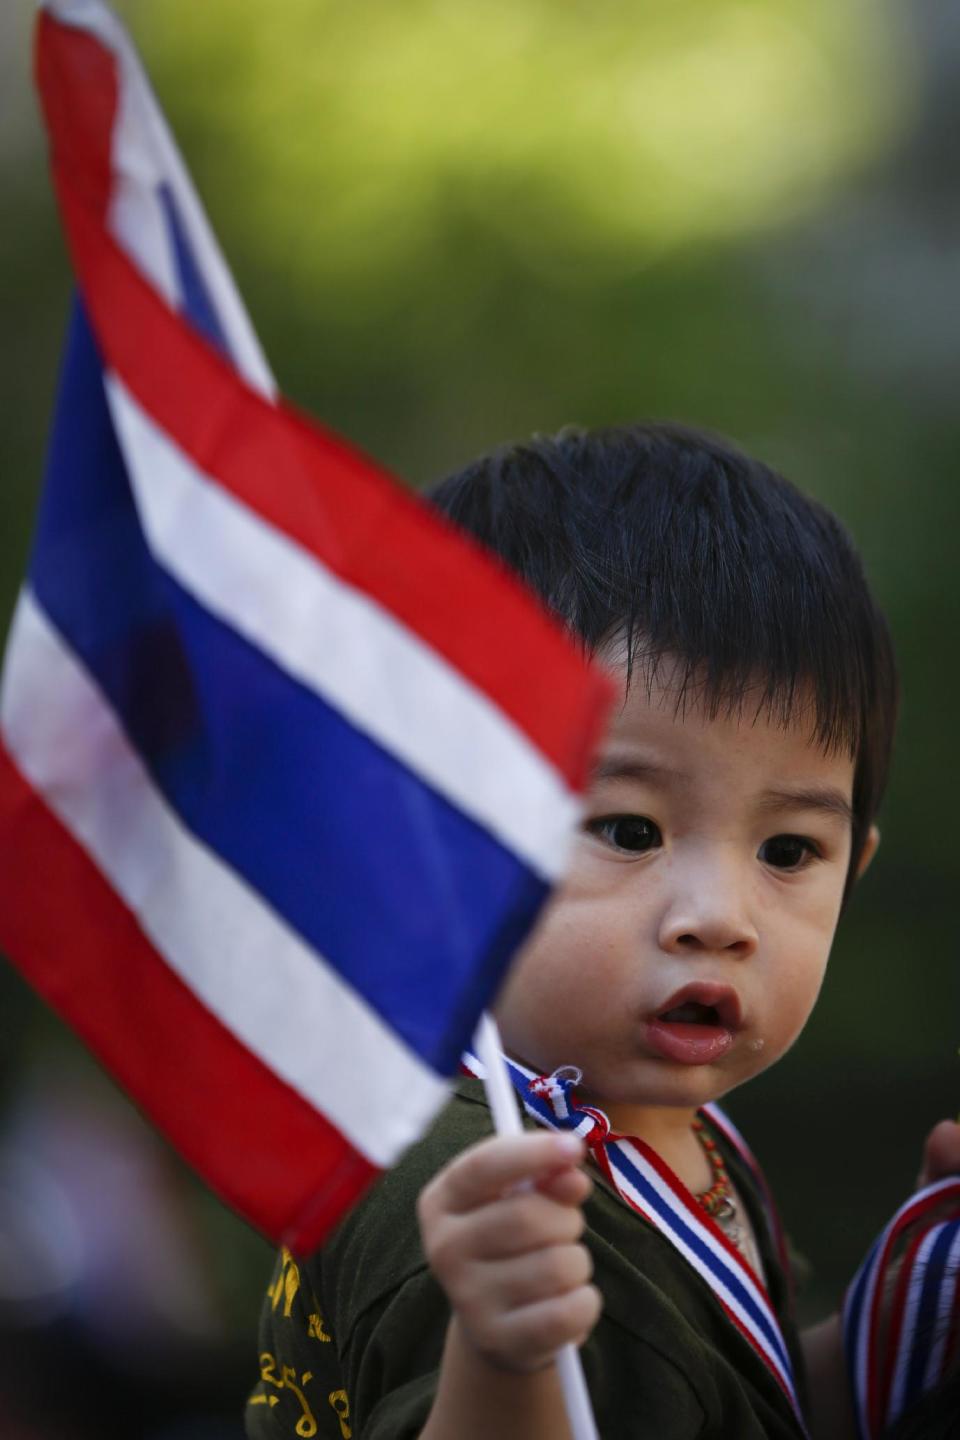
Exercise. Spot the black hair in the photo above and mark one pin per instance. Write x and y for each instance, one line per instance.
(685, 547)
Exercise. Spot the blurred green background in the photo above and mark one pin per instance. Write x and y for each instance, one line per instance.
(456, 224)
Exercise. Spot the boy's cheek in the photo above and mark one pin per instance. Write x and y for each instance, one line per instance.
(788, 1018)
(526, 979)
(560, 968)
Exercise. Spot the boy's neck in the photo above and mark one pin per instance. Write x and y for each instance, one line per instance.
(667, 1129)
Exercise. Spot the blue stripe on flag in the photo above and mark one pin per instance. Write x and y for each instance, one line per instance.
(372, 867)
(195, 302)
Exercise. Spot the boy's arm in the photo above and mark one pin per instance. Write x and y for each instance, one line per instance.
(476, 1399)
(500, 1227)
(831, 1414)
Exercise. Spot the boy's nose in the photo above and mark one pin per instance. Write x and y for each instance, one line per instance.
(709, 919)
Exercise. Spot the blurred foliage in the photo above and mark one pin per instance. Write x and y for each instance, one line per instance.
(456, 224)
(625, 128)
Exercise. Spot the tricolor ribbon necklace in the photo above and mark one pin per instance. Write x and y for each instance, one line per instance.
(647, 1185)
(902, 1311)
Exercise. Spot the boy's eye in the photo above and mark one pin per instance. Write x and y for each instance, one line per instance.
(627, 832)
(787, 852)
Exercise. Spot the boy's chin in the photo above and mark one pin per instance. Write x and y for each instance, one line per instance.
(667, 1086)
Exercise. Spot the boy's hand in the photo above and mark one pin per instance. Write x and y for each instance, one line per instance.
(941, 1153)
(500, 1226)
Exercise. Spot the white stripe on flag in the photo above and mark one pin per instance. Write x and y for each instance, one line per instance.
(291, 1009)
(338, 642)
(145, 155)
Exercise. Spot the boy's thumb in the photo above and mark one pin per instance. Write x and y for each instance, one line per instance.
(941, 1153)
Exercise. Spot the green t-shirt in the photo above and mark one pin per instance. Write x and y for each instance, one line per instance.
(351, 1339)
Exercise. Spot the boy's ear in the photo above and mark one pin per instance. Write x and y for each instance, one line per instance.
(870, 847)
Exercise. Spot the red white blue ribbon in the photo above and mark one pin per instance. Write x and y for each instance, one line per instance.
(902, 1311)
(645, 1183)
(722, 1122)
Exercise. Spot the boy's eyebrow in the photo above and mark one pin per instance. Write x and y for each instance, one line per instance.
(825, 798)
(624, 767)
(818, 797)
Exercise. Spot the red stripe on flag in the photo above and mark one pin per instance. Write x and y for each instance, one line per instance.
(71, 63)
(306, 482)
(265, 1150)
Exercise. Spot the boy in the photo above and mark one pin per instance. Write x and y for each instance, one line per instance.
(731, 811)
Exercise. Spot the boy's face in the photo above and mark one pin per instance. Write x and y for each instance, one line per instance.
(713, 855)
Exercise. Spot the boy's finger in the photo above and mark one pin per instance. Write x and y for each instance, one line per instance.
(518, 1223)
(567, 1187)
(537, 1331)
(941, 1154)
(487, 1170)
(538, 1275)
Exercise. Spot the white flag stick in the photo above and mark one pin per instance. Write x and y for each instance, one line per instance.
(506, 1121)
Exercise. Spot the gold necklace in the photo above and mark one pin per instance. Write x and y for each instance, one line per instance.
(719, 1200)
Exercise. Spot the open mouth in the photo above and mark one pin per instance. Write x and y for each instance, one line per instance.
(691, 1012)
(703, 1003)
(697, 1026)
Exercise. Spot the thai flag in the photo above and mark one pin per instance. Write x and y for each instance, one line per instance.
(286, 765)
